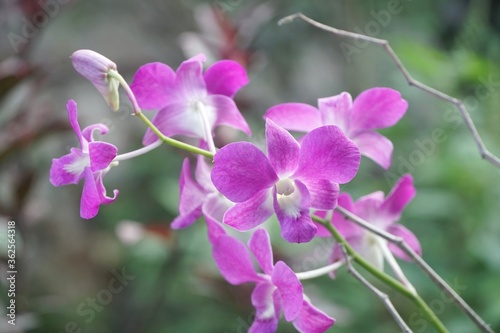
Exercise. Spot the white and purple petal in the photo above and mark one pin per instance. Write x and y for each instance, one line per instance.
(260, 245)
(90, 201)
(68, 169)
(189, 82)
(410, 239)
(248, 214)
(226, 113)
(336, 110)
(101, 154)
(395, 202)
(267, 311)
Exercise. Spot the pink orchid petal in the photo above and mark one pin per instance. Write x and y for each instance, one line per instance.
(346, 228)
(401, 194)
(68, 169)
(322, 230)
(241, 170)
(89, 131)
(376, 108)
(101, 155)
(326, 153)
(191, 194)
(227, 113)
(73, 120)
(290, 290)
(368, 207)
(174, 119)
(187, 219)
(267, 311)
(336, 110)
(323, 193)
(214, 230)
(189, 81)
(410, 239)
(260, 245)
(90, 201)
(295, 116)
(153, 85)
(101, 190)
(282, 149)
(295, 221)
(225, 77)
(233, 261)
(376, 147)
(251, 213)
(312, 320)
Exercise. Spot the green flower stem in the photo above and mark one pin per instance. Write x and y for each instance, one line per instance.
(173, 142)
(387, 279)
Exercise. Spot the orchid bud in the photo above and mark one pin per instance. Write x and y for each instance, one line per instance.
(96, 68)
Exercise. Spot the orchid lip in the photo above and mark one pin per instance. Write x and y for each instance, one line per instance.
(78, 165)
(288, 197)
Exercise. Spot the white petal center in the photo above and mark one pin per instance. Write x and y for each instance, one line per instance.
(288, 197)
(77, 166)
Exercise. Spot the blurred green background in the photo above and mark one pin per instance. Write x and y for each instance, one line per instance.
(171, 285)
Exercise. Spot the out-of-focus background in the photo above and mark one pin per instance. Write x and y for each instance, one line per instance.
(168, 282)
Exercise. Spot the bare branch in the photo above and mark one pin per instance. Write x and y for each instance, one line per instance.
(385, 299)
(459, 105)
(438, 280)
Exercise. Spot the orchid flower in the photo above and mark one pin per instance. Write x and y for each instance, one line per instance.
(290, 180)
(382, 212)
(89, 162)
(373, 109)
(189, 102)
(277, 288)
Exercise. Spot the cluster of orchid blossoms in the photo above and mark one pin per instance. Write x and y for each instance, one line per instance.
(240, 186)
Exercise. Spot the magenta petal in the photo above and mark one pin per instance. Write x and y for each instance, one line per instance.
(376, 147)
(282, 149)
(185, 220)
(233, 261)
(189, 80)
(202, 174)
(293, 216)
(101, 190)
(312, 320)
(227, 113)
(73, 120)
(323, 193)
(336, 110)
(247, 215)
(267, 311)
(408, 236)
(191, 194)
(345, 227)
(214, 230)
(368, 207)
(376, 108)
(260, 245)
(215, 205)
(68, 169)
(225, 77)
(101, 155)
(326, 153)
(401, 194)
(295, 116)
(322, 230)
(88, 132)
(89, 204)
(290, 290)
(241, 170)
(153, 85)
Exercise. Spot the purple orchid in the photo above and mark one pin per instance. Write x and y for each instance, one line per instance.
(187, 100)
(373, 109)
(290, 180)
(91, 161)
(382, 212)
(199, 197)
(277, 289)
